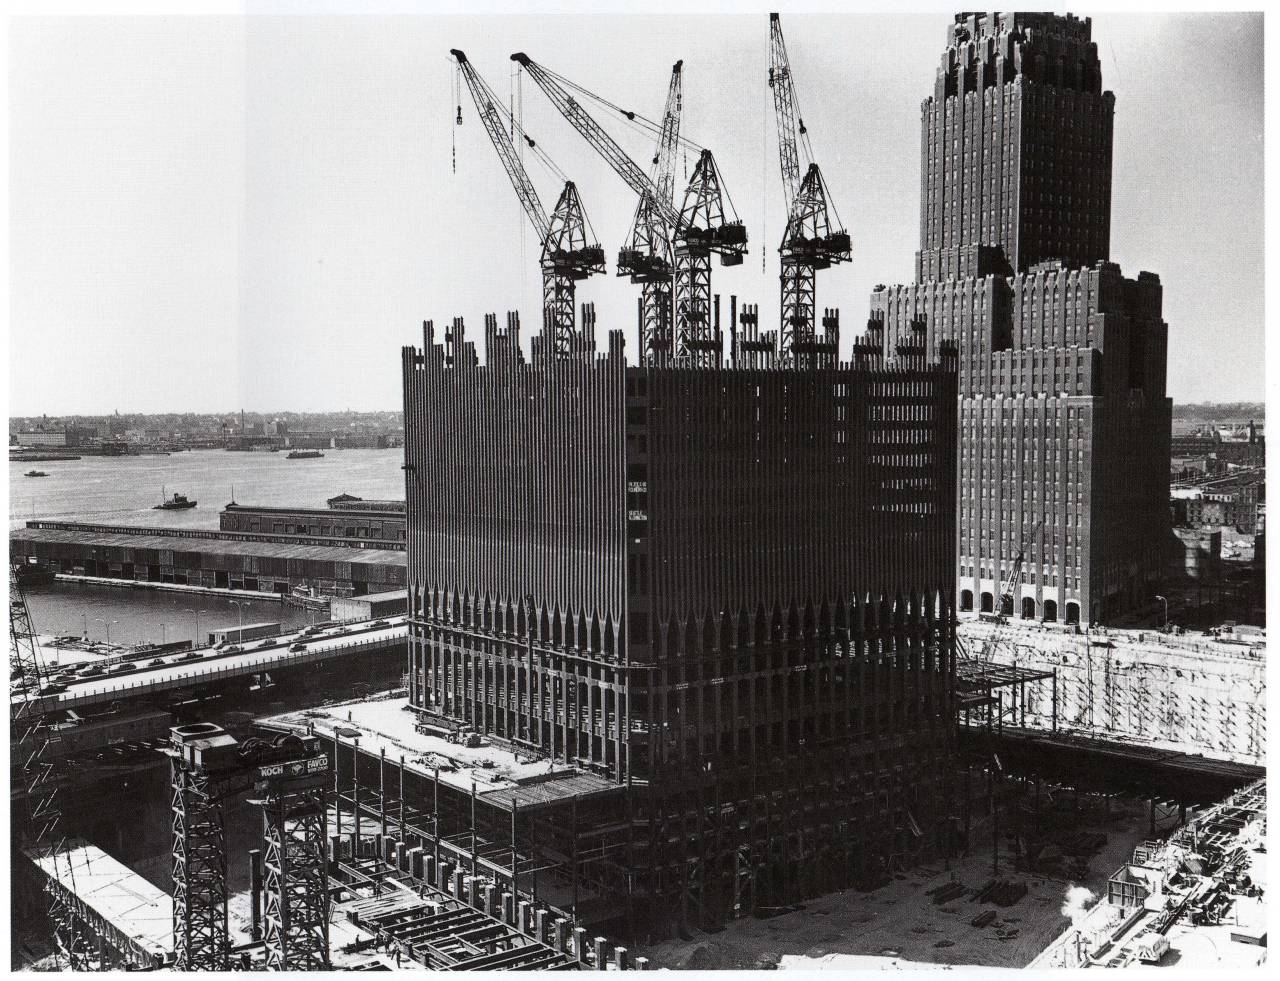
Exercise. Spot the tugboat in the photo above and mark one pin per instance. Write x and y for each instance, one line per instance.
(35, 473)
(305, 455)
(176, 503)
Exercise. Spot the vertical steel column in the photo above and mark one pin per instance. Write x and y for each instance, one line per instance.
(403, 835)
(199, 871)
(435, 817)
(382, 787)
(296, 894)
(475, 865)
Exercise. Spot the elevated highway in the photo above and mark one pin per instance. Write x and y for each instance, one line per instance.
(178, 676)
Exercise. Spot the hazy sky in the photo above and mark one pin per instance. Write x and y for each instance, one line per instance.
(209, 213)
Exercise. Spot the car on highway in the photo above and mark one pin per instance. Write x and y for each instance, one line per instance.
(379, 623)
(157, 663)
(298, 646)
(193, 656)
(93, 671)
(269, 642)
(53, 688)
(233, 649)
(124, 668)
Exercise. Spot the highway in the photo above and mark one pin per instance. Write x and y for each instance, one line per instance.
(213, 664)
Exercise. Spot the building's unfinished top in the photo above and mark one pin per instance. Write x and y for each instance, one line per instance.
(746, 348)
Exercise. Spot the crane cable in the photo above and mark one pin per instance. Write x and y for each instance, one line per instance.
(634, 120)
(764, 164)
(457, 101)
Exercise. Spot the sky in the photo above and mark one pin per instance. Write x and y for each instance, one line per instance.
(209, 213)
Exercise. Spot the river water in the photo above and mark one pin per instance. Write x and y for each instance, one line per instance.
(122, 490)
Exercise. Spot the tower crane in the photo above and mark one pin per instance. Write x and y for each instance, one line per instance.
(702, 225)
(39, 829)
(812, 241)
(567, 254)
(647, 257)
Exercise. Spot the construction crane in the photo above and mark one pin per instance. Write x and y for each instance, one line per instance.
(568, 255)
(812, 239)
(1008, 591)
(38, 829)
(702, 225)
(647, 256)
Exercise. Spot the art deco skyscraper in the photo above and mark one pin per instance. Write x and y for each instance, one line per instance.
(1064, 423)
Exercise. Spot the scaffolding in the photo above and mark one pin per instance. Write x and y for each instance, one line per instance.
(30, 736)
(980, 693)
(289, 775)
(202, 762)
(296, 893)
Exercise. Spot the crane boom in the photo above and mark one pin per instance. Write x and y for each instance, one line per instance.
(811, 240)
(567, 254)
(594, 133)
(700, 227)
(647, 256)
(669, 137)
(784, 110)
(485, 102)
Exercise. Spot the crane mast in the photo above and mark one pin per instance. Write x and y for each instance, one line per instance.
(702, 225)
(568, 256)
(647, 257)
(811, 240)
(38, 826)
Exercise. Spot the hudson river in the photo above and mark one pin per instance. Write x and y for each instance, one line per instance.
(122, 491)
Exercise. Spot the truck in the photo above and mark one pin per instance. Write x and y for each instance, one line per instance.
(1151, 947)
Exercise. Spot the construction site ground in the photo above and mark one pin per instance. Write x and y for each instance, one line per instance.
(899, 926)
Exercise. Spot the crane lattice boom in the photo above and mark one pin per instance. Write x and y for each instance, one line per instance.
(811, 241)
(701, 226)
(568, 255)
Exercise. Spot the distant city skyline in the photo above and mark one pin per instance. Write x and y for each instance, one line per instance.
(214, 211)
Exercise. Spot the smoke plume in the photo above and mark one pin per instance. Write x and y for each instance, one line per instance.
(1076, 903)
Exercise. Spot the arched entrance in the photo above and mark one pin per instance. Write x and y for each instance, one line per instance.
(1050, 611)
(966, 599)
(988, 603)
(1028, 608)
(1073, 612)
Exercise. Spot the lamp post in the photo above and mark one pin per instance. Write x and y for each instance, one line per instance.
(1166, 611)
(196, 643)
(239, 605)
(85, 617)
(108, 623)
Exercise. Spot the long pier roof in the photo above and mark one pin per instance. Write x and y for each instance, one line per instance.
(279, 550)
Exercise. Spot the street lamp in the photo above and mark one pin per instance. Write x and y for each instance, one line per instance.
(85, 617)
(108, 623)
(1166, 611)
(239, 605)
(197, 615)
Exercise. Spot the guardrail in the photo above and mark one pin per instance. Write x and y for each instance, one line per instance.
(69, 700)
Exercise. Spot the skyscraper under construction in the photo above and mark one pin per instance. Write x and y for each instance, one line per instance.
(728, 589)
(1064, 421)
